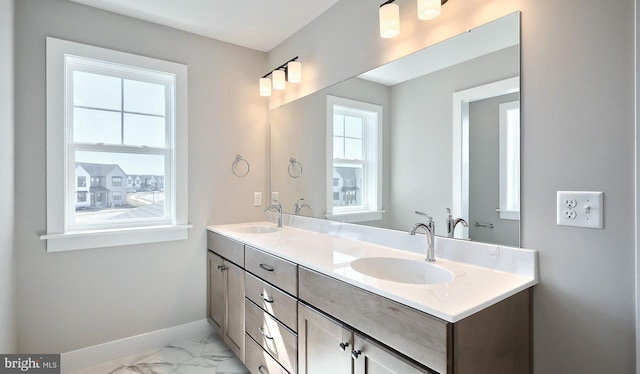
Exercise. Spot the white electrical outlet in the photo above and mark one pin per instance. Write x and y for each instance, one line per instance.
(257, 199)
(275, 196)
(580, 209)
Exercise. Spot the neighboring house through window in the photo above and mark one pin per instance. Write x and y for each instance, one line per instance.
(111, 115)
(354, 162)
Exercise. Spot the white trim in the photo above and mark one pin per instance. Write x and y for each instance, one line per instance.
(355, 217)
(91, 356)
(503, 210)
(114, 237)
(460, 157)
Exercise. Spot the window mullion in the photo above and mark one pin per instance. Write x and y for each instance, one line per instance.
(121, 111)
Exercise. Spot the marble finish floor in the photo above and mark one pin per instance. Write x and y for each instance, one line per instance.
(201, 355)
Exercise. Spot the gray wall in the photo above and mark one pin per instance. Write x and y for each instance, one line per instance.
(577, 132)
(484, 173)
(80, 298)
(8, 316)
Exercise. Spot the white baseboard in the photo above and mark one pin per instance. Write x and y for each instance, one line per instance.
(97, 354)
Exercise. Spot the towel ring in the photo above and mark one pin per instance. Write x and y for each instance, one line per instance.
(295, 168)
(240, 162)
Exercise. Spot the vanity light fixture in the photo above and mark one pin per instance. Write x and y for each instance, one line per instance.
(290, 71)
(389, 19)
(390, 15)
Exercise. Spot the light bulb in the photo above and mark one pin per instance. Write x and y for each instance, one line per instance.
(265, 87)
(278, 80)
(389, 20)
(429, 9)
(294, 71)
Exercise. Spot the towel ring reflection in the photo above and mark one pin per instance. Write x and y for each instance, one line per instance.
(240, 163)
(295, 168)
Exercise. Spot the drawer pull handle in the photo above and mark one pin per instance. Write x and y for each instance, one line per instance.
(267, 336)
(355, 354)
(344, 346)
(266, 298)
(266, 267)
(260, 370)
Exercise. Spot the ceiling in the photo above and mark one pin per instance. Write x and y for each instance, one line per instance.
(256, 24)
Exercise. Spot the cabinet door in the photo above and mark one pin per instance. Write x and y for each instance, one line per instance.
(216, 291)
(372, 358)
(234, 296)
(324, 346)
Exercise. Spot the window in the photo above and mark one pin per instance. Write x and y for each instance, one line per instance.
(81, 196)
(82, 181)
(354, 160)
(110, 115)
(510, 160)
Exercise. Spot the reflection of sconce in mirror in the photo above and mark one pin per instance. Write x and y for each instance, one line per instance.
(389, 14)
(240, 167)
(290, 71)
(295, 168)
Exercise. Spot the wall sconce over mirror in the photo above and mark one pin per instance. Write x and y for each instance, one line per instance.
(390, 15)
(290, 71)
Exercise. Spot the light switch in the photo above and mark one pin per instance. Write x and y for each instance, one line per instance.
(580, 209)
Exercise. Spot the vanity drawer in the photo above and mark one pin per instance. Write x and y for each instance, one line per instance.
(225, 247)
(271, 299)
(258, 361)
(274, 337)
(416, 334)
(275, 270)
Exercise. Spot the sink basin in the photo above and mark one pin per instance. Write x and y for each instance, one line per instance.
(402, 270)
(255, 229)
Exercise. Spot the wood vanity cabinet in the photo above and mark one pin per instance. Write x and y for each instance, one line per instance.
(271, 313)
(494, 340)
(327, 346)
(225, 294)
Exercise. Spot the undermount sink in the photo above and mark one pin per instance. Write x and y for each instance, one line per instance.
(255, 229)
(402, 270)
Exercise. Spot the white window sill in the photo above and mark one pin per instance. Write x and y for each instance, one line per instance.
(509, 214)
(114, 237)
(355, 217)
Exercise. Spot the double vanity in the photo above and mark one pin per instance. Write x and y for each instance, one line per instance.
(317, 296)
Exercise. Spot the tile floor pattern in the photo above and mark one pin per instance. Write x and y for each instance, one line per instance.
(194, 356)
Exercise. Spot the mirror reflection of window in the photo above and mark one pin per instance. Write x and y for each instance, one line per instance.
(354, 152)
(510, 160)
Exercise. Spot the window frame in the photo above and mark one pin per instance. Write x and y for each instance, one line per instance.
(60, 171)
(505, 211)
(371, 210)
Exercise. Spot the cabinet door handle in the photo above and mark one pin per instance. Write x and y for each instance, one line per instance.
(267, 336)
(266, 267)
(355, 354)
(266, 298)
(260, 370)
(222, 267)
(344, 346)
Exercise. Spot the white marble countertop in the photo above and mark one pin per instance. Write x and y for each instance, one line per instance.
(472, 289)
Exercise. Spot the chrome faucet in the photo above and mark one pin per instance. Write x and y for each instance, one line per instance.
(452, 223)
(429, 229)
(275, 207)
(299, 205)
